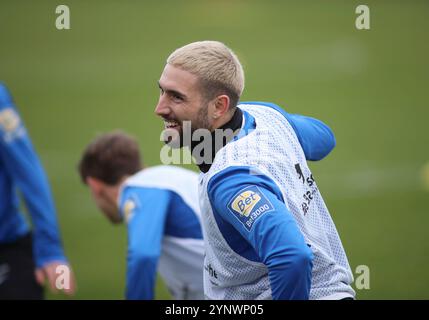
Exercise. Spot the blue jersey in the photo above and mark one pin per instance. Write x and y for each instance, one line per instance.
(20, 169)
(268, 232)
(160, 207)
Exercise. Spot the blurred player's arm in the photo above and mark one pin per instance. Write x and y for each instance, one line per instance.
(23, 165)
(273, 234)
(145, 211)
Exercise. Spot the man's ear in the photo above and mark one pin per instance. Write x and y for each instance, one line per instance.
(221, 106)
(94, 184)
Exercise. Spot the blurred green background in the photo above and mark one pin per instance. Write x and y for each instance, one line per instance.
(370, 86)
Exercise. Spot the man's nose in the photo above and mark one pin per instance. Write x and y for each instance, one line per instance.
(161, 108)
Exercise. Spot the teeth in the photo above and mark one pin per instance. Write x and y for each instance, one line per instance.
(169, 124)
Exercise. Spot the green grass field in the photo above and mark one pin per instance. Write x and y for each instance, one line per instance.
(370, 86)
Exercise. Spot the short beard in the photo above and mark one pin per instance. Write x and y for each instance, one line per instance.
(202, 121)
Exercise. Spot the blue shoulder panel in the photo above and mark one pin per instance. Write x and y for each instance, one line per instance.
(316, 138)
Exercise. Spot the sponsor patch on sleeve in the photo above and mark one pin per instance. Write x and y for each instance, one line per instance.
(9, 120)
(248, 205)
(10, 125)
(128, 209)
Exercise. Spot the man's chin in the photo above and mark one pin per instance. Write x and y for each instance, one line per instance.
(173, 138)
(116, 220)
(174, 144)
(178, 137)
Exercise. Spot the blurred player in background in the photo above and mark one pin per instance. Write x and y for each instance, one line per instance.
(267, 231)
(27, 258)
(160, 207)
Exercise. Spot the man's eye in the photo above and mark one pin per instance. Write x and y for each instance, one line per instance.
(177, 97)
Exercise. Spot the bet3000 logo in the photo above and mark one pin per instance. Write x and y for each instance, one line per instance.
(245, 202)
(248, 205)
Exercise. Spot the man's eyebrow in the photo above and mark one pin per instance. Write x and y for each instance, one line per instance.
(172, 92)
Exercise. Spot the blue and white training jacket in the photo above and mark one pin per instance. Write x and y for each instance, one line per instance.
(160, 206)
(268, 232)
(21, 171)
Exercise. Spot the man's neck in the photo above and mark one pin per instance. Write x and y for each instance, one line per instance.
(230, 128)
(221, 122)
(114, 192)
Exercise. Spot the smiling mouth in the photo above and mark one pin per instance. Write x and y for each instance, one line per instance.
(169, 124)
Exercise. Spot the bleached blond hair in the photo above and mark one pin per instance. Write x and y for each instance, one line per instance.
(216, 66)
